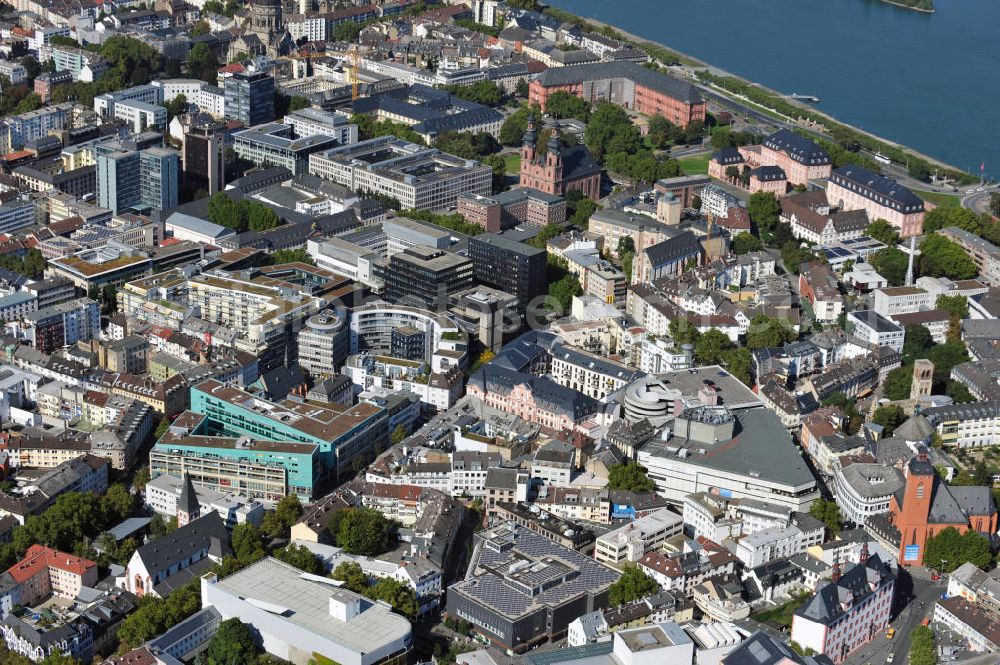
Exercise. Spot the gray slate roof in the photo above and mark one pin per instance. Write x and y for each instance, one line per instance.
(825, 607)
(667, 85)
(189, 539)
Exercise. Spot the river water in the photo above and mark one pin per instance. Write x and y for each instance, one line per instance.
(930, 81)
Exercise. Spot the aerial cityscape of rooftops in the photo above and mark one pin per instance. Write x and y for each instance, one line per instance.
(472, 333)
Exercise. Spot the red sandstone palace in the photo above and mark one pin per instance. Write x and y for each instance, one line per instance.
(625, 84)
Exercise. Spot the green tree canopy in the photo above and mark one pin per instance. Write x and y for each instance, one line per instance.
(682, 331)
(948, 550)
(241, 215)
(955, 305)
(347, 31)
(764, 210)
(351, 575)
(923, 647)
(248, 543)
(711, 347)
(883, 231)
(898, 383)
(562, 104)
(364, 531)
(942, 217)
(940, 257)
(745, 243)
(725, 137)
(845, 404)
(155, 615)
(31, 265)
(629, 476)
(610, 130)
(945, 357)
(486, 93)
(300, 557)
(917, 339)
(234, 643)
(889, 417)
(300, 255)
(739, 361)
(466, 144)
(891, 263)
(202, 64)
(765, 331)
(959, 393)
(278, 523)
(398, 434)
(399, 595)
(130, 60)
(513, 128)
(548, 232)
(827, 512)
(632, 585)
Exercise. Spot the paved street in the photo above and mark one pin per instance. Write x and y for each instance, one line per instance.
(761, 122)
(979, 201)
(912, 590)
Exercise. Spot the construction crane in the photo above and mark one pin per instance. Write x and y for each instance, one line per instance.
(354, 78)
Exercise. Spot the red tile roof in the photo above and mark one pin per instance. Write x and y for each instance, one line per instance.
(39, 558)
(17, 154)
(65, 226)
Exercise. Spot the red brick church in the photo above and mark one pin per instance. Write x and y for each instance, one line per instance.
(560, 169)
(926, 506)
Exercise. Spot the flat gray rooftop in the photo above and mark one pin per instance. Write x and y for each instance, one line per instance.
(308, 605)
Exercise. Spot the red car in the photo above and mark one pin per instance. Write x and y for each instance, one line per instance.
(935, 577)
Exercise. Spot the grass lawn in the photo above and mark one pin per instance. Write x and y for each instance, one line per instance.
(782, 614)
(512, 163)
(938, 198)
(695, 164)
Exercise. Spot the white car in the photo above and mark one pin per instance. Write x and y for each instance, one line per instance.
(970, 191)
(889, 659)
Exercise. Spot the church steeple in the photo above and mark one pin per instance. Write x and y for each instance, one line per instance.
(188, 508)
(529, 137)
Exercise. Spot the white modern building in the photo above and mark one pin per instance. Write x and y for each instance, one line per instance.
(864, 490)
(418, 177)
(208, 98)
(707, 516)
(769, 544)
(746, 454)
(587, 629)
(195, 229)
(630, 542)
(972, 425)
(902, 300)
(302, 617)
(163, 492)
(313, 122)
(875, 329)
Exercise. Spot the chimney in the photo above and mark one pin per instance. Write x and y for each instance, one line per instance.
(863, 558)
(835, 577)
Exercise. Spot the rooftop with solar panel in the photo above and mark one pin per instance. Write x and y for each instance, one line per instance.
(514, 572)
